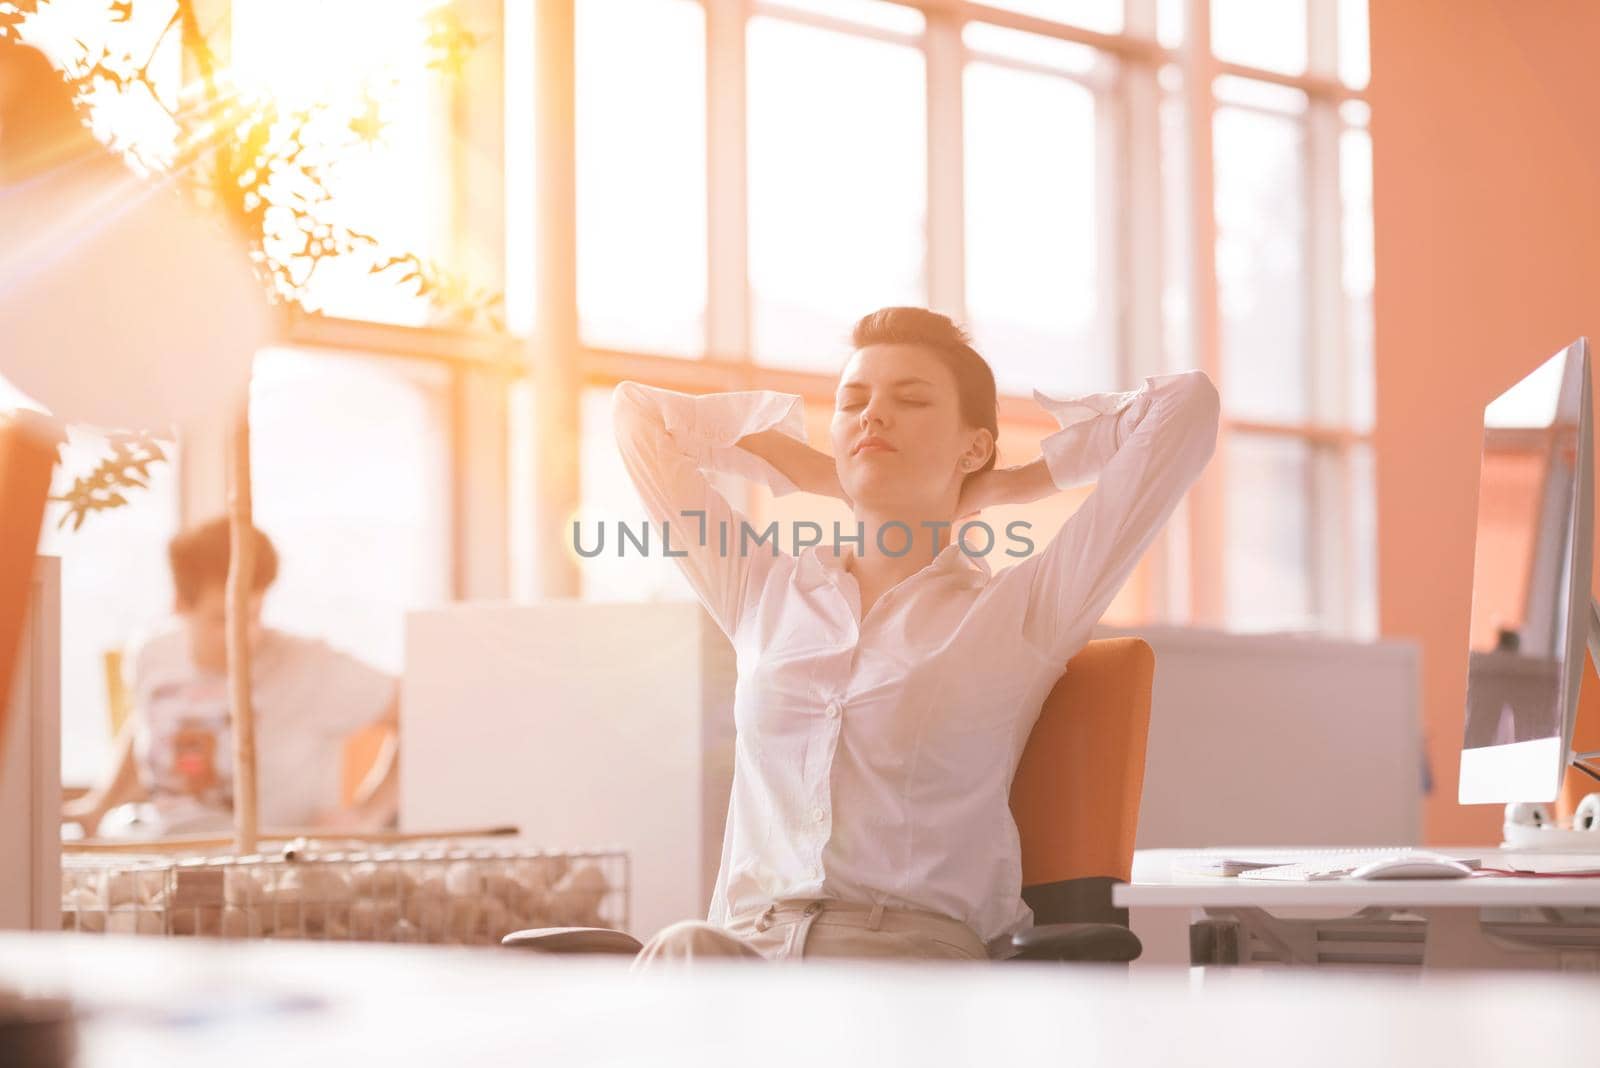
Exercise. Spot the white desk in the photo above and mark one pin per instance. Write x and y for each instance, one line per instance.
(182, 1003)
(1475, 922)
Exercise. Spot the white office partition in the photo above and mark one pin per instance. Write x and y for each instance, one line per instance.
(599, 724)
(586, 725)
(1274, 739)
(30, 774)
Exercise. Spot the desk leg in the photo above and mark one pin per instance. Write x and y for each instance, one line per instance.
(1164, 934)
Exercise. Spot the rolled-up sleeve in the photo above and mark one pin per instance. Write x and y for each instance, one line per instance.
(1093, 428)
(1144, 449)
(668, 441)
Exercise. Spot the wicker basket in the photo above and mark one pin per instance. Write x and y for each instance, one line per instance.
(441, 894)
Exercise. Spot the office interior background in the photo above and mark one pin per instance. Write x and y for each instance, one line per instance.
(1362, 225)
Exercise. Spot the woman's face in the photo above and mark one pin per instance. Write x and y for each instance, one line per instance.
(898, 437)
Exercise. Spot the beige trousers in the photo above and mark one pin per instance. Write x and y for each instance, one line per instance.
(811, 929)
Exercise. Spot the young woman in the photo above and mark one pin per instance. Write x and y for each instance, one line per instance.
(888, 677)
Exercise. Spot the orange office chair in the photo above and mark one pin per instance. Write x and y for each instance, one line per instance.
(1075, 799)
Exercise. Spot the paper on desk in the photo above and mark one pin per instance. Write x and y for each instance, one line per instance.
(1221, 867)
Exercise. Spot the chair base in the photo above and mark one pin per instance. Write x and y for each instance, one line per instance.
(1104, 943)
(1076, 921)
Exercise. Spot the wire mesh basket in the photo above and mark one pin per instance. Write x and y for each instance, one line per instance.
(444, 894)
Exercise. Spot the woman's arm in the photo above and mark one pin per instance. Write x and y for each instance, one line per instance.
(1005, 485)
(1093, 428)
(668, 440)
(811, 470)
(1145, 448)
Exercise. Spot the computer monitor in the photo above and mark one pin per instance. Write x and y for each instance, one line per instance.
(1532, 613)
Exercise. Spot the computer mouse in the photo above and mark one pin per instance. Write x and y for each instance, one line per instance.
(1412, 868)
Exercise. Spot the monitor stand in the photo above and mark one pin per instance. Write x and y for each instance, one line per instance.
(1578, 760)
(1549, 835)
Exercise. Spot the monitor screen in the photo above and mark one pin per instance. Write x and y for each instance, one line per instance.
(1528, 624)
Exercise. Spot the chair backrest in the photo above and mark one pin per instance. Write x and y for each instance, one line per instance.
(1075, 797)
(27, 456)
(367, 752)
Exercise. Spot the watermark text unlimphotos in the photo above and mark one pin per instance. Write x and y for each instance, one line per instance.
(803, 535)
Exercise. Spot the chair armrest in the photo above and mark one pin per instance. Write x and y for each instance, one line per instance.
(1105, 942)
(573, 940)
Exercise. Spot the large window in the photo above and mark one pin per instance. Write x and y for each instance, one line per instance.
(641, 175)
(1034, 212)
(1101, 189)
(1030, 167)
(838, 186)
(352, 481)
(751, 177)
(378, 144)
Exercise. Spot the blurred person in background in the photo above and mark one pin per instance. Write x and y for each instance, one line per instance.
(172, 772)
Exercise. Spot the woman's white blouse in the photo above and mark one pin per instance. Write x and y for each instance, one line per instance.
(874, 757)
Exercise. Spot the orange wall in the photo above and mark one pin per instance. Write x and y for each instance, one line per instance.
(1486, 135)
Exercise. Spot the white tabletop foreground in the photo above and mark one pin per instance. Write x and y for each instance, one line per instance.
(1159, 881)
(176, 1003)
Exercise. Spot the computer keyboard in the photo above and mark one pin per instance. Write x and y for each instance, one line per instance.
(1337, 865)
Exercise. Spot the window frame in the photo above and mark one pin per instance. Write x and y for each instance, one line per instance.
(1188, 583)
(1187, 563)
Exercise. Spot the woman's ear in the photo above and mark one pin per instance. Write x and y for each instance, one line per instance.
(979, 451)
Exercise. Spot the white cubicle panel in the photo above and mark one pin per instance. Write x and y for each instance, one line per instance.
(599, 724)
(30, 766)
(587, 725)
(1267, 739)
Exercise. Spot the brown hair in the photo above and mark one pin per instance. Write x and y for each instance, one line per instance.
(199, 558)
(951, 345)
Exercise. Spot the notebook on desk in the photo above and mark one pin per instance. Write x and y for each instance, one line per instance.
(1296, 866)
(1318, 868)
(1220, 867)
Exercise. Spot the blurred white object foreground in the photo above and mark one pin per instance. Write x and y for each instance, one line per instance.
(204, 1002)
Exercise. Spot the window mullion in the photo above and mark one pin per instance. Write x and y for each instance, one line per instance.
(1322, 39)
(1326, 348)
(1140, 18)
(553, 345)
(727, 191)
(1133, 263)
(1207, 511)
(946, 253)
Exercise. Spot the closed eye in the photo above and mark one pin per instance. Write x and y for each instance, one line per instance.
(907, 403)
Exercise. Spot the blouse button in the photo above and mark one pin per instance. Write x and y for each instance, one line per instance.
(818, 815)
(833, 710)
